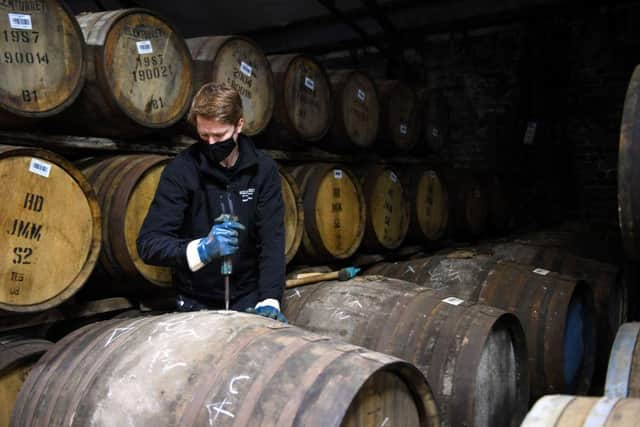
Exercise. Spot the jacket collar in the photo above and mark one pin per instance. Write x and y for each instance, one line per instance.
(248, 158)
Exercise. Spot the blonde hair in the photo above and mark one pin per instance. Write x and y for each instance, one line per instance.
(216, 101)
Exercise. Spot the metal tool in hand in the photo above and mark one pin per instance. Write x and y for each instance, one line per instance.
(227, 267)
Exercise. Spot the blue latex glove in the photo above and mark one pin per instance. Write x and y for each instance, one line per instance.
(221, 241)
(270, 312)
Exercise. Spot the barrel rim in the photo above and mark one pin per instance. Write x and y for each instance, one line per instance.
(101, 68)
(22, 349)
(620, 360)
(96, 236)
(81, 78)
(297, 241)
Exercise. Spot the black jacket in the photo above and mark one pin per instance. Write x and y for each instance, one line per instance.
(187, 202)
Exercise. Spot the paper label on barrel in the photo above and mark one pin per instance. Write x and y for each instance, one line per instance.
(246, 69)
(361, 95)
(435, 132)
(309, 83)
(403, 129)
(541, 271)
(453, 301)
(144, 47)
(337, 173)
(20, 21)
(393, 177)
(40, 168)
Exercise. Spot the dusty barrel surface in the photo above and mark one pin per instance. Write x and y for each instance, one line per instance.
(574, 411)
(303, 103)
(17, 356)
(51, 229)
(42, 56)
(399, 125)
(556, 311)
(164, 370)
(238, 62)
(628, 177)
(357, 111)
(334, 211)
(387, 218)
(139, 75)
(125, 186)
(293, 214)
(609, 291)
(474, 356)
(434, 113)
(623, 374)
(429, 205)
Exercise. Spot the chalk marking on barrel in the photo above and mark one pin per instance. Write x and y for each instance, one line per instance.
(384, 423)
(297, 294)
(219, 408)
(355, 302)
(411, 269)
(238, 378)
(117, 333)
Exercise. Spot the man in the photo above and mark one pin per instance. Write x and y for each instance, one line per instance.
(223, 174)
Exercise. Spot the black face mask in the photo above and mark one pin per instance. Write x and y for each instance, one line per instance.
(220, 150)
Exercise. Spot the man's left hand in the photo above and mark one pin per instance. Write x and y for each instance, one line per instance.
(267, 309)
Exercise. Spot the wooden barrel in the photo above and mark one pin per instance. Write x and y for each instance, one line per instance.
(125, 186)
(168, 370)
(51, 229)
(429, 205)
(238, 62)
(556, 311)
(334, 211)
(387, 218)
(17, 357)
(399, 124)
(42, 60)
(573, 411)
(499, 208)
(357, 111)
(469, 204)
(604, 280)
(303, 104)
(474, 356)
(623, 374)
(628, 178)
(434, 113)
(293, 214)
(139, 76)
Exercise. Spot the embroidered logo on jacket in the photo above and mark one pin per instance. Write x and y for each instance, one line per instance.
(247, 194)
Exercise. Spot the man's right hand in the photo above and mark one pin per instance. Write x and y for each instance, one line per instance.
(221, 241)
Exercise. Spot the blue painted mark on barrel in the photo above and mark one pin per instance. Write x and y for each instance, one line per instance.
(619, 369)
(573, 346)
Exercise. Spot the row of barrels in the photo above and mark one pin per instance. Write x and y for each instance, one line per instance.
(127, 72)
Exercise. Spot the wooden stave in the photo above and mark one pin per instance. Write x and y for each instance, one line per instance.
(99, 112)
(57, 372)
(12, 118)
(418, 231)
(338, 138)
(281, 128)
(371, 240)
(623, 373)
(299, 213)
(396, 305)
(484, 280)
(204, 51)
(575, 411)
(121, 173)
(389, 91)
(434, 113)
(628, 180)
(310, 176)
(96, 242)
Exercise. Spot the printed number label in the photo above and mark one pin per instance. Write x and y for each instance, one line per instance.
(246, 69)
(453, 301)
(435, 132)
(393, 177)
(144, 47)
(361, 95)
(403, 129)
(20, 21)
(337, 173)
(309, 83)
(541, 271)
(40, 168)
